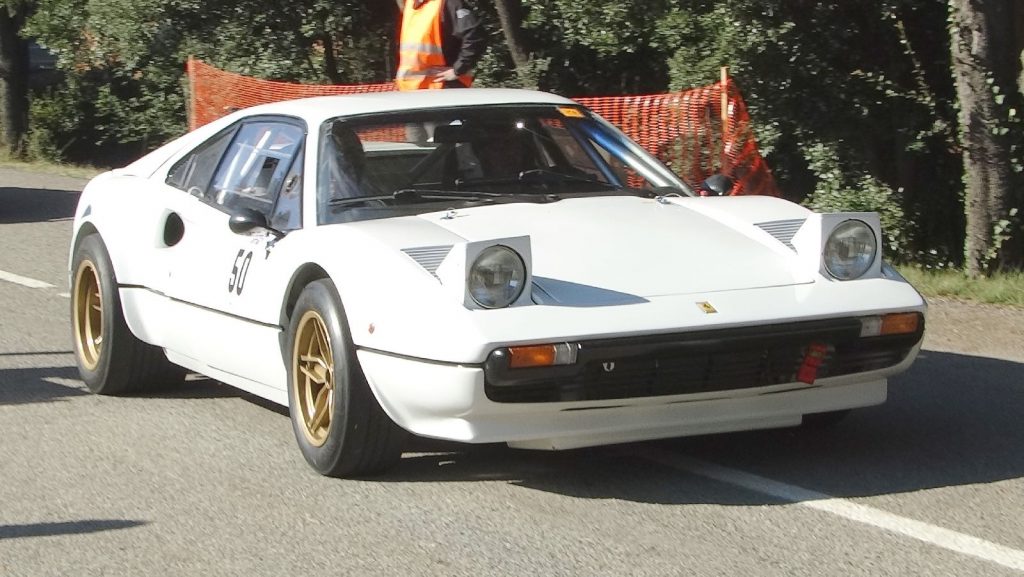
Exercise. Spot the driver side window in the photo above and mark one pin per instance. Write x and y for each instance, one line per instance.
(193, 173)
(255, 166)
(247, 166)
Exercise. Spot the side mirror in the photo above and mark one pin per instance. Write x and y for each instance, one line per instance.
(716, 185)
(245, 219)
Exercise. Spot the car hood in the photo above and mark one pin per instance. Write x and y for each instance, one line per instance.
(607, 250)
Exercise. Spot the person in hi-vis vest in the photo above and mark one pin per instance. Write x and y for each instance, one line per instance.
(439, 44)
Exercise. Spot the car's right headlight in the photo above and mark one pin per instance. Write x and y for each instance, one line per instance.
(850, 250)
(497, 277)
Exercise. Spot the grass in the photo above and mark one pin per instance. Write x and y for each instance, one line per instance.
(1001, 288)
(49, 167)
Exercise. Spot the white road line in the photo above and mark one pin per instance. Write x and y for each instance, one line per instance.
(931, 534)
(23, 280)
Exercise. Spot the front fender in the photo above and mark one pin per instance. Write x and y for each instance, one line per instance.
(393, 304)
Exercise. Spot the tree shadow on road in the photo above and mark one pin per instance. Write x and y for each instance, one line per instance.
(18, 205)
(66, 528)
(21, 386)
(951, 420)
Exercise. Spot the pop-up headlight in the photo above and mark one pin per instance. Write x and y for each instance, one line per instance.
(850, 250)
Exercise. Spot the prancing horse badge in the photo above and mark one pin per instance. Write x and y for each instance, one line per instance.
(706, 307)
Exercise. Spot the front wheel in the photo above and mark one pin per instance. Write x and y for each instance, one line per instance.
(340, 428)
(111, 360)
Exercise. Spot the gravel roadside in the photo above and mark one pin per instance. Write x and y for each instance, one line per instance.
(975, 329)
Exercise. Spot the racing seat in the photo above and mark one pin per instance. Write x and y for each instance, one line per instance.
(503, 150)
(347, 172)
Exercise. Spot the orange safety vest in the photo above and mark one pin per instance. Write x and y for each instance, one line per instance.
(420, 47)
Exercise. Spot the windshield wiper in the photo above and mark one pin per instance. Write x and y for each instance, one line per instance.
(417, 193)
(542, 176)
(431, 194)
(548, 175)
(359, 200)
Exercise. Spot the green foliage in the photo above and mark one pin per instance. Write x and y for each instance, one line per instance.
(869, 78)
(598, 47)
(1003, 231)
(121, 93)
(55, 119)
(123, 62)
(1008, 232)
(840, 190)
(102, 119)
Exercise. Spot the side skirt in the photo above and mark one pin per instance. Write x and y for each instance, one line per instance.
(279, 396)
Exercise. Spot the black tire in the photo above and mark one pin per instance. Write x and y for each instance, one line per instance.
(820, 421)
(111, 360)
(340, 428)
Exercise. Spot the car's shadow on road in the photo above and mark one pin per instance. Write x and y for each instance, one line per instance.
(19, 386)
(951, 420)
(18, 205)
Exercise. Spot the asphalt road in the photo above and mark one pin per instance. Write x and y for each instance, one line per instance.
(205, 480)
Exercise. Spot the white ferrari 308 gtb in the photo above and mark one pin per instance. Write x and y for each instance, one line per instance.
(479, 266)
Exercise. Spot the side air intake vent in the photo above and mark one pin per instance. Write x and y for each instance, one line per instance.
(428, 257)
(782, 230)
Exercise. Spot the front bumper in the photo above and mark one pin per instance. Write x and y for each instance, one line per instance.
(701, 361)
(457, 402)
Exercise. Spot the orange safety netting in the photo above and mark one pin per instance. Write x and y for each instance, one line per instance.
(686, 129)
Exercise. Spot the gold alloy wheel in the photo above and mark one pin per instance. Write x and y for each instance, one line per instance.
(88, 315)
(313, 378)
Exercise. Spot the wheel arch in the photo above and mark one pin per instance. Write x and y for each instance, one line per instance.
(132, 364)
(84, 231)
(304, 275)
(87, 229)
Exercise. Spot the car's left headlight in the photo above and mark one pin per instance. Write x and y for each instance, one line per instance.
(850, 250)
(497, 277)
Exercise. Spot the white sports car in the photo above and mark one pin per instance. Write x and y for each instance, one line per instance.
(480, 266)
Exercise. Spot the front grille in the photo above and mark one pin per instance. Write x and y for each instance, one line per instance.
(698, 363)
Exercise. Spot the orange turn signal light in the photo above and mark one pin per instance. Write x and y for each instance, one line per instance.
(541, 355)
(899, 323)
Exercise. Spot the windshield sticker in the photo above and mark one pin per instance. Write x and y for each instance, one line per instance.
(570, 112)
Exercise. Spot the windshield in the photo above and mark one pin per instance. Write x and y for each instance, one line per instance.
(402, 163)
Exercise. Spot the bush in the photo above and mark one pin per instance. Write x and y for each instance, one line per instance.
(840, 190)
(56, 121)
(103, 118)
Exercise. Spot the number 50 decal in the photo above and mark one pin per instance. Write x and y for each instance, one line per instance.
(236, 282)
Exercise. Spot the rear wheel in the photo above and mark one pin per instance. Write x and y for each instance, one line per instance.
(111, 361)
(340, 428)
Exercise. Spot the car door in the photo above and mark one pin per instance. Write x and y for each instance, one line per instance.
(212, 269)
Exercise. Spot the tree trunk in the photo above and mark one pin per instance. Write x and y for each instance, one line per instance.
(330, 61)
(510, 14)
(979, 28)
(14, 71)
(1018, 45)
